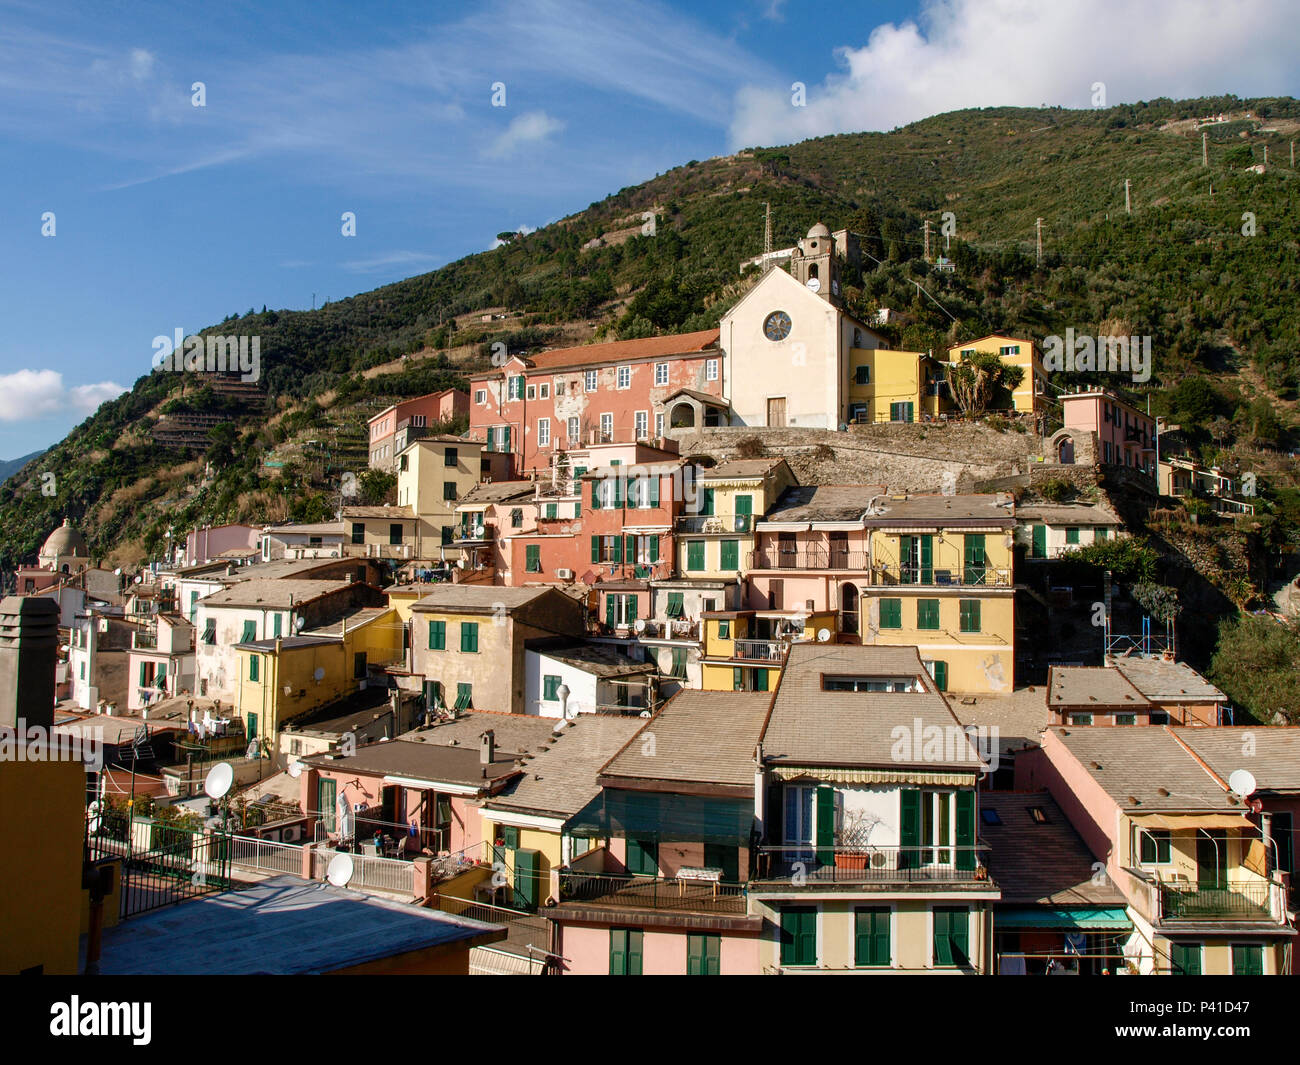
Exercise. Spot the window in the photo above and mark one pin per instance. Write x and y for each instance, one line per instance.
(1080, 719)
(1185, 959)
(623, 377)
(571, 430)
(620, 610)
(480, 395)
(642, 857)
(927, 613)
(1159, 717)
(939, 672)
(891, 613)
(1154, 846)
(1009, 349)
(678, 668)
(469, 637)
(871, 936)
(607, 549)
(724, 629)
(210, 632)
(1247, 959)
(277, 621)
(641, 423)
(464, 697)
(446, 536)
(551, 688)
(902, 412)
(951, 935)
(437, 636)
(533, 558)
(1100, 534)
(552, 510)
(659, 424)
(799, 935)
(515, 388)
(395, 528)
(544, 391)
(625, 951)
(253, 666)
(83, 670)
(607, 427)
(710, 369)
(990, 816)
(250, 632)
(694, 555)
(970, 615)
(449, 491)
(730, 550)
(404, 463)
(543, 432)
(1072, 535)
(1126, 719)
(862, 375)
(676, 605)
(833, 683)
(516, 518)
(326, 792)
(359, 665)
(589, 380)
(451, 457)
(661, 373)
(703, 955)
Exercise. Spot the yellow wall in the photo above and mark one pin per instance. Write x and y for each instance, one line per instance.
(420, 486)
(42, 826)
(981, 661)
(948, 553)
(718, 676)
(911, 933)
(548, 843)
(895, 377)
(1030, 359)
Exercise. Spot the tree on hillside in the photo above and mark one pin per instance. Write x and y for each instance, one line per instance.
(1256, 665)
(976, 380)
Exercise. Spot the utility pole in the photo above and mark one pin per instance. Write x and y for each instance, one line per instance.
(767, 228)
(1205, 149)
(927, 240)
(1128, 206)
(1038, 228)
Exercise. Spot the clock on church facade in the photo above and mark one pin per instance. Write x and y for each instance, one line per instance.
(777, 326)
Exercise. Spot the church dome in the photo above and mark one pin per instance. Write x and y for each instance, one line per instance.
(65, 542)
(819, 230)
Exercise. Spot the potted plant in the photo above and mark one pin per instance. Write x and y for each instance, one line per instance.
(851, 839)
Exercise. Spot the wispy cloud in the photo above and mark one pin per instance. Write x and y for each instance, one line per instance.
(392, 258)
(31, 394)
(984, 53)
(530, 128)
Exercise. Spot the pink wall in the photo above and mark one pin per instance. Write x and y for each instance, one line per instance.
(1089, 809)
(204, 545)
(663, 952)
(795, 591)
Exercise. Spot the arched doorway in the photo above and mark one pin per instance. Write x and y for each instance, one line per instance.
(849, 603)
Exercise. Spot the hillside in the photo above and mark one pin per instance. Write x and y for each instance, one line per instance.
(1219, 304)
(8, 467)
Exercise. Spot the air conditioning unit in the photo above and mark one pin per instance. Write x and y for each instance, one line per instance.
(564, 574)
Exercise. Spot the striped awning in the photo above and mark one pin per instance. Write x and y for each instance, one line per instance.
(876, 776)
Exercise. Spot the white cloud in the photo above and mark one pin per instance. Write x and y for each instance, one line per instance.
(392, 258)
(531, 127)
(988, 53)
(30, 394)
(522, 230)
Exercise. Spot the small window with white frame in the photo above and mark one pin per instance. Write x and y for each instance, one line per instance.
(642, 419)
(543, 432)
(607, 427)
(544, 391)
(624, 377)
(590, 378)
(710, 369)
(572, 430)
(661, 373)
(480, 396)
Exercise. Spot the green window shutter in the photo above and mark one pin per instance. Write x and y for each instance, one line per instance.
(533, 558)
(642, 857)
(469, 636)
(654, 491)
(527, 881)
(799, 936)
(927, 613)
(654, 548)
(730, 554)
(618, 549)
(974, 559)
(610, 611)
(254, 662)
(550, 687)
(250, 632)
(891, 613)
(702, 955)
(959, 932)
(631, 609)
(826, 825)
(744, 513)
(760, 679)
(724, 629)
(695, 555)
(941, 676)
(1247, 959)
(618, 952)
(595, 549)
(942, 939)
(676, 604)
(871, 936)
(1185, 959)
(464, 696)
(708, 502)
(909, 827)
(629, 549)
(737, 679)
(965, 830)
(595, 495)
(970, 615)
(634, 952)
(1100, 534)
(1039, 546)
(927, 559)
(437, 636)
(1072, 535)
(143, 682)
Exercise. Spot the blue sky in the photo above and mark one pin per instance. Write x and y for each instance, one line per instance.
(170, 215)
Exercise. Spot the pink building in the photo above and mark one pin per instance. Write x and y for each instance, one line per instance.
(213, 541)
(395, 427)
(1125, 435)
(619, 392)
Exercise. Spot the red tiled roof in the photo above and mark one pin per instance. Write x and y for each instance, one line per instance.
(622, 350)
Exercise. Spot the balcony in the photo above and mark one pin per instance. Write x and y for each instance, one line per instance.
(652, 893)
(683, 629)
(1234, 902)
(807, 863)
(714, 523)
(889, 575)
(759, 650)
(813, 557)
(144, 641)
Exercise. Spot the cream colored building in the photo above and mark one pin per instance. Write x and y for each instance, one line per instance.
(788, 343)
(433, 474)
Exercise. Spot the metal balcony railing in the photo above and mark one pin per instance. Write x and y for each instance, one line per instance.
(858, 864)
(759, 650)
(808, 557)
(652, 893)
(974, 576)
(714, 523)
(1233, 902)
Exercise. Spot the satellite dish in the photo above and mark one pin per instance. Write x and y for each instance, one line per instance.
(218, 780)
(117, 572)
(823, 635)
(339, 871)
(1242, 782)
(139, 580)
(319, 675)
(814, 284)
(640, 624)
(294, 770)
(644, 713)
(298, 623)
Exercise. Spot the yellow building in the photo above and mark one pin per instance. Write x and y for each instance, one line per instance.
(42, 825)
(892, 386)
(380, 532)
(282, 678)
(433, 474)
(1030, 396)
(715, 536)
(941, 580)
(743, 650)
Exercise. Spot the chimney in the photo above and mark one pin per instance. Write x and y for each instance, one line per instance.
(487, 747)
(29, 644)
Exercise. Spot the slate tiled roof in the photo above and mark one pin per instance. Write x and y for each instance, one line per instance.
(282, 593)
(1092, 687)
(1161, 680)
(516, 734)
(941, 511)
(697, 737)
(1273, 758)
(621, 350)
(823, 502)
